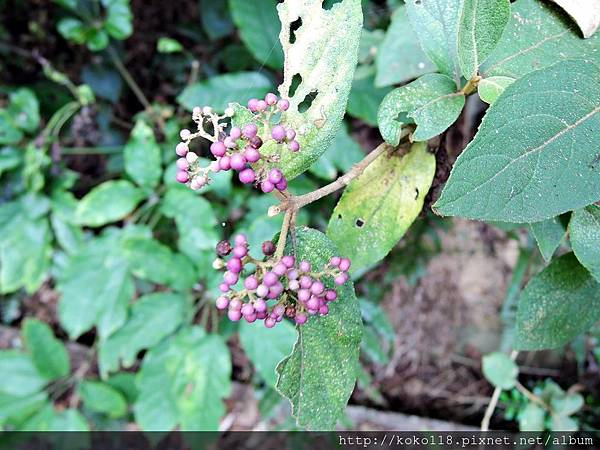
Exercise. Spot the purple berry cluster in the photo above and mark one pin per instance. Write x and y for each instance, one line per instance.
(276, 287)
(239, 149)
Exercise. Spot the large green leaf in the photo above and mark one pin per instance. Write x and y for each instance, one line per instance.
(319, 376)
(142, 156)
(479, 30)
(585, 238)
(400, 57)
(183, 381)
(537, 36)
(548, 235)
(535, 155)
(102, 398)
(215, 18)
(218, 91)
(48, 353)
(267, 347)
(153, 317)
(365, 98)
(20, 376)
(557, 305)
(107, 202)
(430, 101)
(259, 29)
(500, 370)
(436, 23)
(15, 409)
(379, 206)
(323, 54)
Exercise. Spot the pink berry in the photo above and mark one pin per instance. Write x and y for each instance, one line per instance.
(344, 264)
(229, 142)
(252, 104)
(294, 146)
(280, 269)
(251, 318)
(275, 176)
(261, 105)
(247, 176)
(270, 98)
(234, 265)
(301, 319)
(260, 305)
(278, 310)
(283, 105)
(183, 177)
(238, 162)
(288, 261)
(269, 279)
(290, 134)
(262, 290)
(260, 315)
(240, 239)
(330, 295)
(324, 310)
(185, 134)
(234, 316)
(222, 302)
(239, 251)
(305, 266)
(270, 322)
(341, 279)
(182, 164)
(294, 285)
(247, 309)
(251, 283)
(266, 186)
(218, 148)
(230, 278)
(225, 163)
(317, 288)
(249, 131)
(303, 295)
(235, 304)
(306, 282)
(312, 303)
(278, 133)
(292, 274)
(282, 185)
(276, 289)
(224, 287)
(182, 149)
(235, 133)
(251, 154)
(335, 261)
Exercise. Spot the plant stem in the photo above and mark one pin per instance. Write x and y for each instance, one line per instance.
(285, 228)
(485, 423)
(471, 85)
(128, 78)
(532, 397)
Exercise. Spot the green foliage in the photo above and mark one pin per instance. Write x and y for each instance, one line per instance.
(319, 375)
(142, 156)
(377, 207)
(500, 370)
(364, 99)
(102, 398)
(339, 157)
(48, 353)
(22, 115)
(168, 45)
(107, 202)
(585, 238)
(489, 89)
(548, 234)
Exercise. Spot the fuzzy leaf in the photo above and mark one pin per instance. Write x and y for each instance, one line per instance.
(535, 155)
(557, 305)
(107, 202)
(319, 375)
(142, 156)
(585, 238)
(585, 13)
(379, 206)
(500, 370)
(20, 376)
(532, 418)
(548, 235)
(430, 101)
(102, 398)
(489, 89)
(48, 353)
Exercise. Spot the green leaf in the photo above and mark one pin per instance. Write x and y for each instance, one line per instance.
(364, 99)
(400, 57)
(479, 30)
(558, 304)
(259, 29)
(142, 156)
(24, 109)
(215, 18)
(379, 206)
(96, 40)
(183, 381)
(431, 102)
(372, 348)
(323, 55)
(374, 314)
(267, 347)
(72, 29)
(69, 420)
(534, 156)
(319, 376)
(48, 353)
(532, 418)
(221, 90)
(343, 153)
(20, 377)
(10, 158)
(118, 18)
(96, 287)
(369, 44)
(500, 370)
(548, 235)
(124, 382)
(585, 238)
(489, 89)
(107, 202)
(567, 404)
(168, 45)
(16, 409)
(435, 23)
(537, 36)
(9, 133)
(153, 317)
(102, 398)
(105, 82)
(563, 423)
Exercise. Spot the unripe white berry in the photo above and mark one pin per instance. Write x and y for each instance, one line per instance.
(218, 264)
(196, 111)
(207, 110)
(191, 157)
(185, 134)
(229, 112)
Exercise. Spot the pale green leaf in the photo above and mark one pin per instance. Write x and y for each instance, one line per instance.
(319, 376)
(567, 404)
(379, 206)
(585, 238)
(142, 156)
(16, 408)
(400, 57)
(102, 398)
(168, 45)
(107, 202)
(537, 36)
(489, 89)
(563, 423)
(259, 29)
(370, 40)
(118, 21)
(24, 109)
(535, 154)
(500, 370)
(9, 133)
(548, 235)
(47, 352)
(557, 305)
(20, 377)
(532, 418)
(430, 101)
(152, 318)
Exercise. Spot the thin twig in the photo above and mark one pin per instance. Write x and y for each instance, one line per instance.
(485, 423)
(284, 232)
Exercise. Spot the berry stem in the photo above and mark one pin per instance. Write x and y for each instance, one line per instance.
(287, 220)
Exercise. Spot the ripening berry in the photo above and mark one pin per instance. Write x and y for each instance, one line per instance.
(294, 146)
(251, 154)
(260, 305)
(240, 239)
(341, 279)
(279, 269)
(237, 162)
(223, 248)
(229, 142)
(335, 261)
(235, 133)
(230, 278)
(185, 134)
(290, 311)
(251, 283)
(183, 177)
(247, 309)
(225, 162)
(181, 149)
(218, 148)
(235, 304)
(312, 303)
(247, 176)
(300, 319)
(303, 295)
(278, 133)
(229, 112)
(269, 279)
(275, 176)
(282, 185)
(290, 134)
(306, 282)
(252, 104)
(270, 98)
(261, 105)
(214, 166)
(183, 164)
(330, 295)
(262, 290)
(196, 111)
(224, 287)
(283, 105)
(207, 110)
(191, 157)
(239, 251)
(289, 261)
(344, 264)
(278, 310)
(198, 182)
(255, 142)
(234, 315)
(234, 265)
(249, 131)
(293, 285)
(222, 302)
(270, 322)
(292, 274)
(266, 186)
(317, 288)
(304, 266)
(324, 310)
(268, 248)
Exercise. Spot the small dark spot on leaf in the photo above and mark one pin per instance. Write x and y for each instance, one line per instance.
(293, 27)
(339, 216)
(416, 193)
(359, 223)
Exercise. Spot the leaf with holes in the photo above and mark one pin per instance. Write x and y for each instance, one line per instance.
(535, 155)
(379, 206)
(430, 101)
(557, 305)
(585, 238)
(480, 28)
(323, 55)
(489, 89)
(319, 375)
(537, 36)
